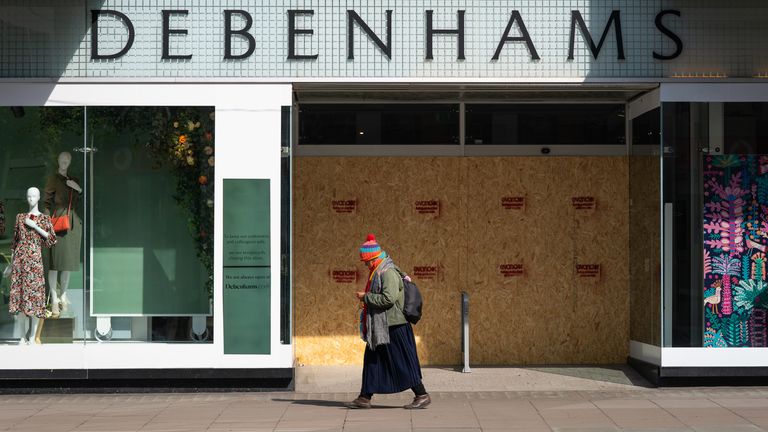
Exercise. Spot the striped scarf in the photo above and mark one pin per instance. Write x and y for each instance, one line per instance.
(373, 322)
(364, 314)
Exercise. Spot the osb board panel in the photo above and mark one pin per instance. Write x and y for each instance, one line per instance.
(386, 191)
(645, 249)
(546, 316)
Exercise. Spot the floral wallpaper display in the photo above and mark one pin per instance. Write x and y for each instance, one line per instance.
(735, 240)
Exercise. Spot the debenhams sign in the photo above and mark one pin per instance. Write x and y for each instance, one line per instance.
(238, 24)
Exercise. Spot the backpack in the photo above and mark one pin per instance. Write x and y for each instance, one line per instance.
(412, 301)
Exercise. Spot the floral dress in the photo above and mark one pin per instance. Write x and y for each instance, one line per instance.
(27, 276)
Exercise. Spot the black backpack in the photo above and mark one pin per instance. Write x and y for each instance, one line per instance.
(412, 301)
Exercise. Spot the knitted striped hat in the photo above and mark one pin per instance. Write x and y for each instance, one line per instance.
(370, 250)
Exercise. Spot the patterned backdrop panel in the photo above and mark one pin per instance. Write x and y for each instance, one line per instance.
(735, 239)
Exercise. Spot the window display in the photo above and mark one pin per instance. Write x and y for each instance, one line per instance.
(716, 204)
(735, 227)
(152, 235)
(126, 196)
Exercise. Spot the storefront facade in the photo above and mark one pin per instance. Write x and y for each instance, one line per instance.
(591, 174)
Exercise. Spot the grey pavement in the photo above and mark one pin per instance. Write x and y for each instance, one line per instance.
(624, 407)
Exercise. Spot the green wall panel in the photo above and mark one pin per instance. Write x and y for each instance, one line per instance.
(247, 271)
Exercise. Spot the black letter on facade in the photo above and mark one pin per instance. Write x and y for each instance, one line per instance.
(228, 32)
(614, 18)
(524, 38)
(293, 31)
(167, 32)
(431, 32)
(670, 34)
(352, 18)
(95, 13)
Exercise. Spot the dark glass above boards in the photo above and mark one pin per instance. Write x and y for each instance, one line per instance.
(545, 124)
(370, 124)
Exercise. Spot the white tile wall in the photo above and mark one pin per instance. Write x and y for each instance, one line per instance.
(52, 38)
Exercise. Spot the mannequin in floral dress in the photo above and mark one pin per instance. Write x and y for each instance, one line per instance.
(32, 231)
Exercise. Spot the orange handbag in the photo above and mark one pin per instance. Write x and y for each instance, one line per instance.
(62, 223)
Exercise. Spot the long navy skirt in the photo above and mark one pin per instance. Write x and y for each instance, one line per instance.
(393, 367)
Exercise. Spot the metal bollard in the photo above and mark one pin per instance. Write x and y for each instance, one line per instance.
(465, 330)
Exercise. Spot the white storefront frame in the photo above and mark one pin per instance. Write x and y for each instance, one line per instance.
(248, 141)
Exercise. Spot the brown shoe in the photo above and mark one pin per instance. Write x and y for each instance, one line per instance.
(419, 402)
(359, 403)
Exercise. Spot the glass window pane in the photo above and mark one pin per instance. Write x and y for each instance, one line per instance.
(152, 214)
(36, 150)
(735, 300)
(646, 128)
(685, 126)
(403, 124)
(745, 128)
(545, 124)
(645, 232)
(715, 206)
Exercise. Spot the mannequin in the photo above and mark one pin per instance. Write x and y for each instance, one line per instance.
(65, 255)
(32, 231)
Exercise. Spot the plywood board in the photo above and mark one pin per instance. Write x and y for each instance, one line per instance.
(543, 314)
(387, 191)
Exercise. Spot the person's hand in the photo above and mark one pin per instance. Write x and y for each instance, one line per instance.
(30, 223)
(360, 295)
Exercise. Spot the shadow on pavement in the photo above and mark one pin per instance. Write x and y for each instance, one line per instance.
(329, 404)
(313, 402)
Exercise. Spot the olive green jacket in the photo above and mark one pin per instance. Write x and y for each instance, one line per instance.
(391, 298)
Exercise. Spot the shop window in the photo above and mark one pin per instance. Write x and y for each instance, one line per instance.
(745, 128)
(43, 289)
(646, 128)
(545, 124)
(152, 205)
(735, 294)
(685, 128)
(367, 124)
(645, 229)
(136, 185)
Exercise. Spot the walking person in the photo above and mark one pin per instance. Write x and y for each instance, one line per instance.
(390, 364)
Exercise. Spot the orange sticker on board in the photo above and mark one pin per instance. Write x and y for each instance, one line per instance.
(512, 270)
(513, 203)
(427, 207)
(584, 202)
(427, 272)
(588, 271)
(344, 206)
(344, 276)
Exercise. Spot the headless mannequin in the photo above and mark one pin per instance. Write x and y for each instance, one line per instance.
(65, 159)
(28, 324)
